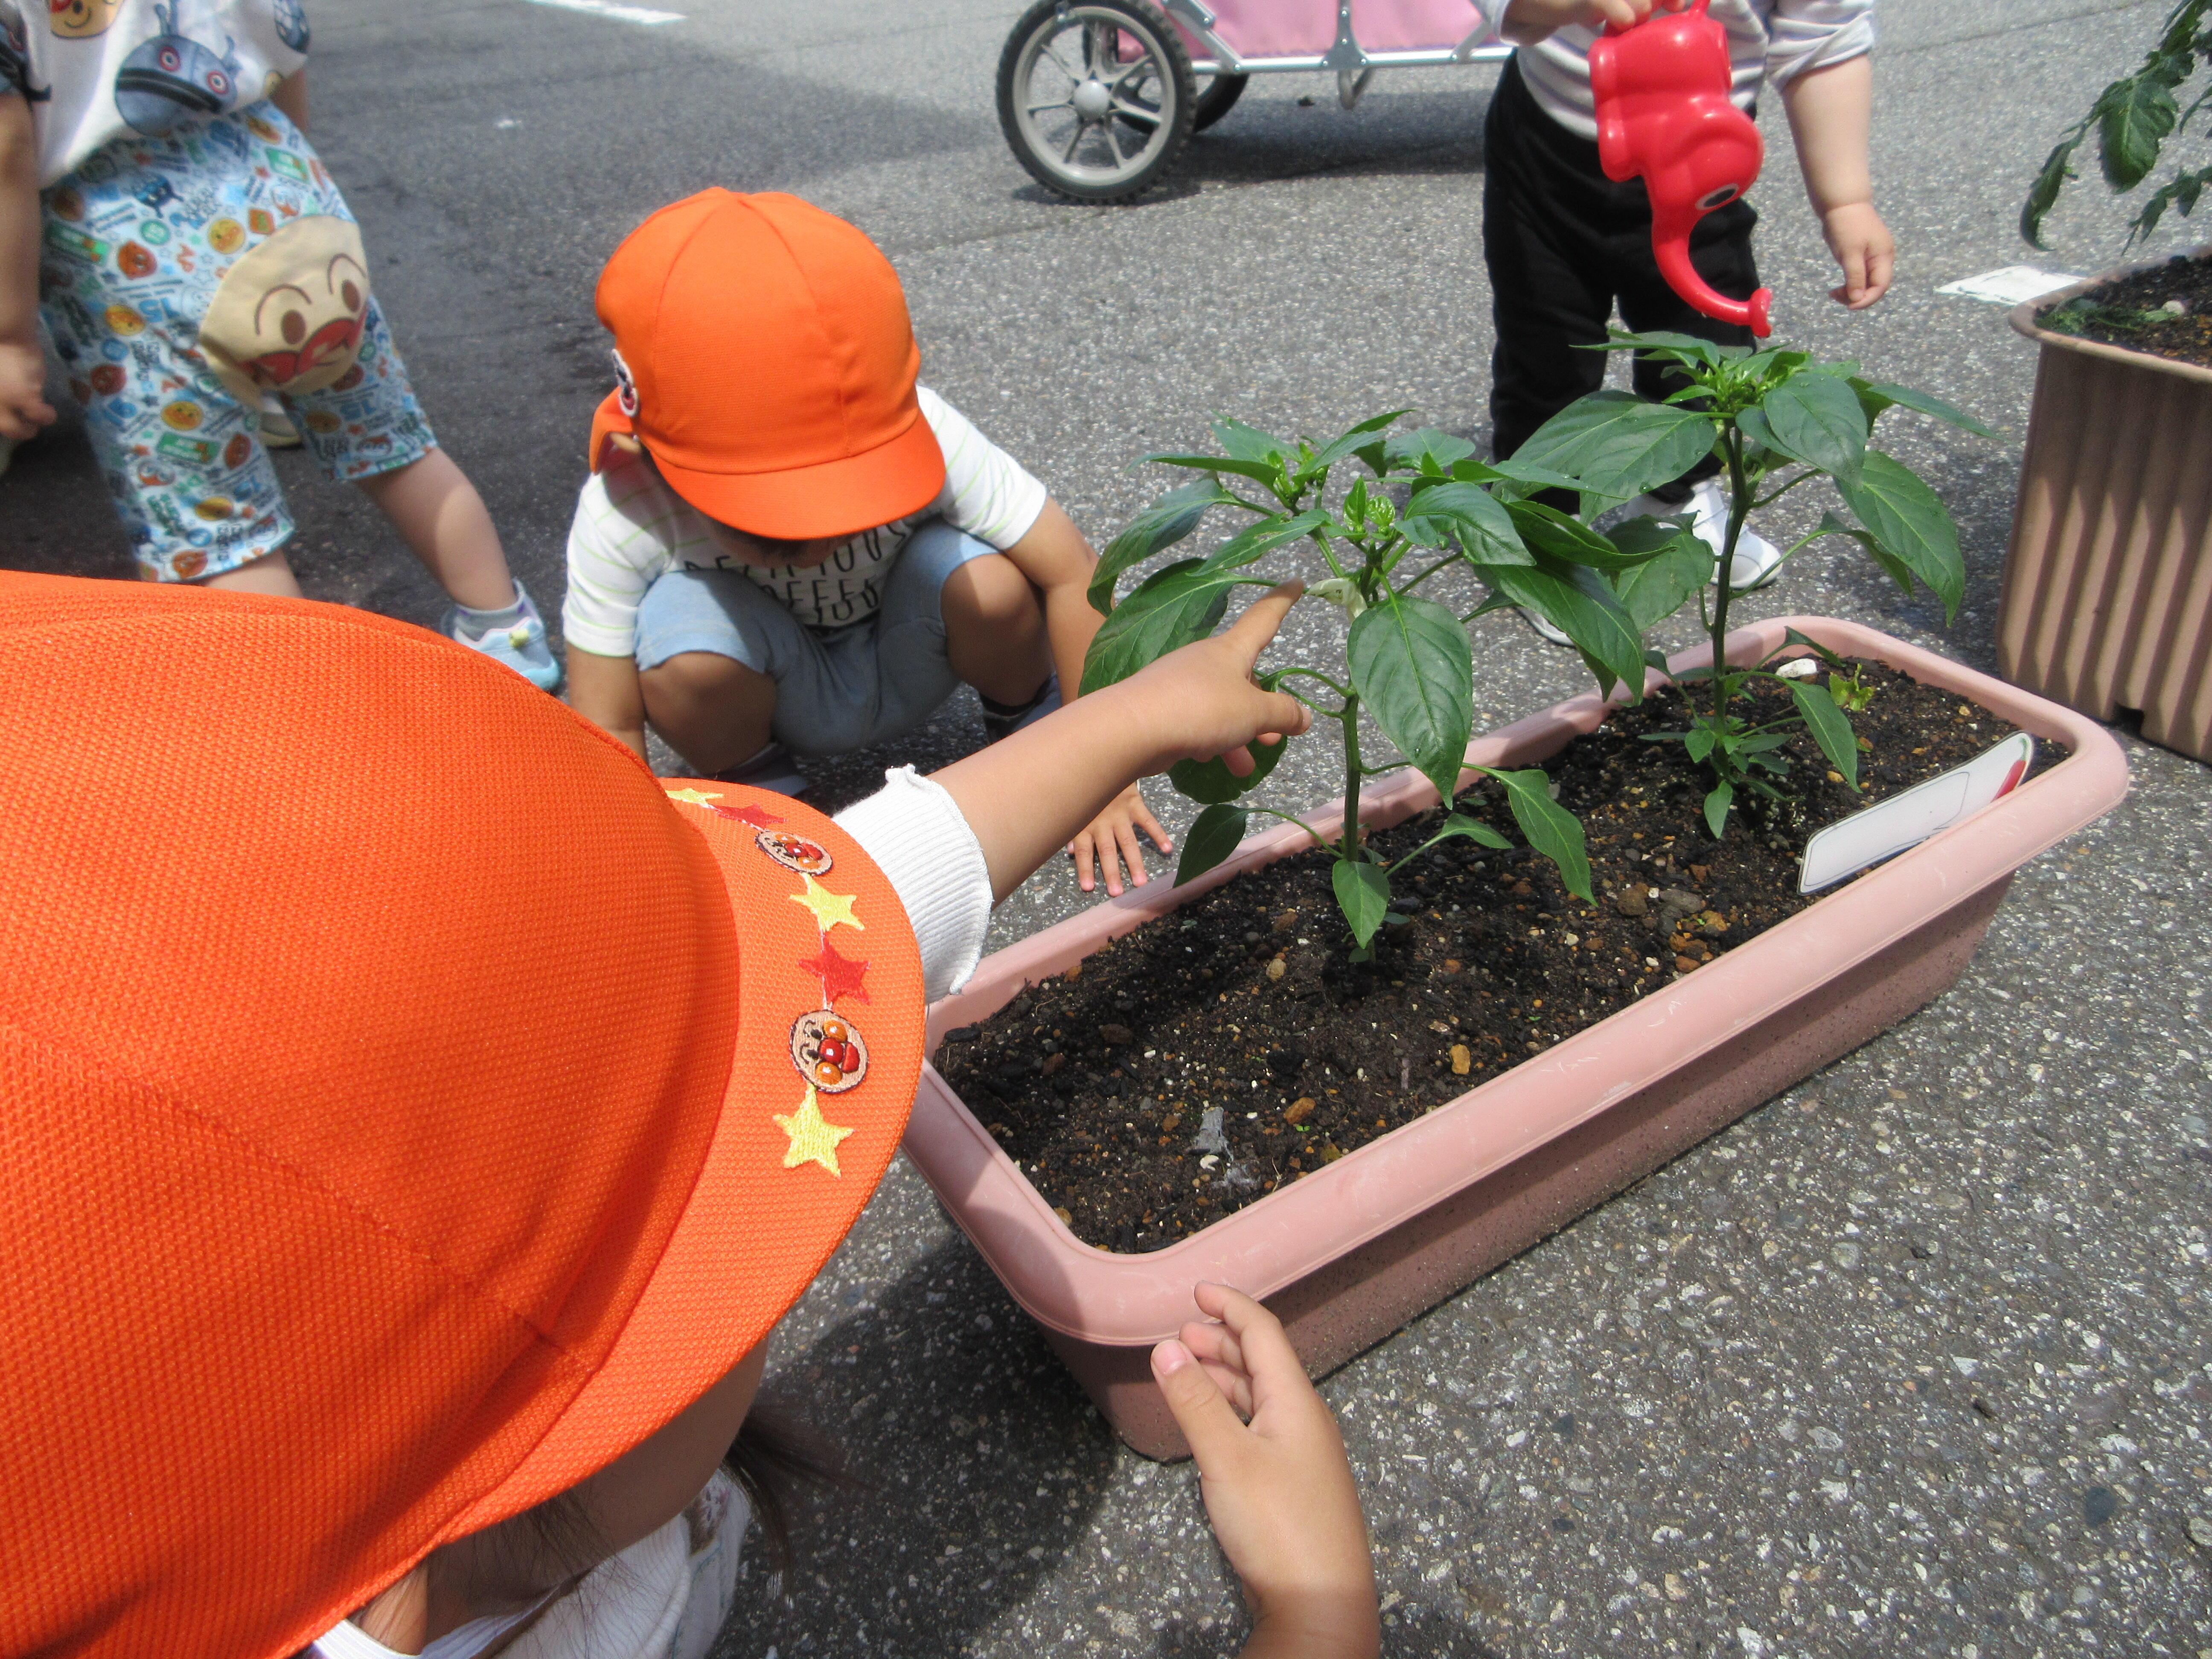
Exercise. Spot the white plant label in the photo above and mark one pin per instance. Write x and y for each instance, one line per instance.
(1890, 827)
(2012, 285)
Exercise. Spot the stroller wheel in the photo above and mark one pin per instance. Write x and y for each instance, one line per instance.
(1095, 97)
(1217, 100)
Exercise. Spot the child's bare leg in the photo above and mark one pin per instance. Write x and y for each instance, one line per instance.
(432, 504)
(994, 631)
(713, 710)
(270, 575)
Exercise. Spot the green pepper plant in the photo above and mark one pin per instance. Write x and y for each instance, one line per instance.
(1776, 419)
(1407, 660)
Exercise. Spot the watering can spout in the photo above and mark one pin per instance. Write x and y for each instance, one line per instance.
(1665, 114)
(1671, 245)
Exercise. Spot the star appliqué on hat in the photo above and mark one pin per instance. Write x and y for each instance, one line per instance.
(813, 1138)
(830, 909)
(840, 976)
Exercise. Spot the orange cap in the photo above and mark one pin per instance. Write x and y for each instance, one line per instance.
(767, 367)
(410, 1103)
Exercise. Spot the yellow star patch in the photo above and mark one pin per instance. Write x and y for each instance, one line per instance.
(829, 908)
(697, 797)
(813, 1137)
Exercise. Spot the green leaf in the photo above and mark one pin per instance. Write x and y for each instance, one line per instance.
(1262, 537)
(1211, 783)
(1875, 396)
(1249, 443)
(1550, 829)
(1214, 835)
(1716, 807)
(1353, 439)
(2134, 117)
(2043, 194)
(1459, 824)
(1615, 444)
(2180, 192)
(1163, 524)
(1566, 537)
(1429, 444)
(1585, 611)
(1655, 590)
(1518, 470)
(1791, 636)
(1264, 472)
(1903, 516)
(1471, 514)
(1363, 893)
(1175, 605)
(1681, 348)
(1412, 666)
(1829, 728)
(1698, 741)
(1816, 419)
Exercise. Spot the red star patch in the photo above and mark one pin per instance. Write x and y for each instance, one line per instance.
(840, 976)
(759, 818)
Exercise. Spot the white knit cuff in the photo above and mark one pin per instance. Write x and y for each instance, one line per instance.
(917, 836)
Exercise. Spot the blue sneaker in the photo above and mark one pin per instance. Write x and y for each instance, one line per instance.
(514, 637)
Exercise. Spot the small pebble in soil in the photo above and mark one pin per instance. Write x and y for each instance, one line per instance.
(1299, 1110)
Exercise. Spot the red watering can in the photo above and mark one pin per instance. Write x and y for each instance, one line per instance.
(1663, 115)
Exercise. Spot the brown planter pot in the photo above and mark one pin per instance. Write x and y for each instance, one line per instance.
(1354, 1250)
(2108, 584)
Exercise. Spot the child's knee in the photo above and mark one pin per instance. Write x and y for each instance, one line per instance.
(990, 591)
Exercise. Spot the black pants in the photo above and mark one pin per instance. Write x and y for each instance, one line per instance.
(1563, 243)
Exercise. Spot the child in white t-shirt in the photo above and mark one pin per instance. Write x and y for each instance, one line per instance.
(786, 544)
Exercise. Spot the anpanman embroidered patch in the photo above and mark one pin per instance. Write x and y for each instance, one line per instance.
(828, 1052)
(795, 852)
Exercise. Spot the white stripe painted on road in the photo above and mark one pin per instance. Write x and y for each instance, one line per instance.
(620, 14)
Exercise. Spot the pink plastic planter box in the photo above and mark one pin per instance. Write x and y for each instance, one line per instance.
(1351, 1252)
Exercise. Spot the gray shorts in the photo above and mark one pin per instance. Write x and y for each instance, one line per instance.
(837, 690)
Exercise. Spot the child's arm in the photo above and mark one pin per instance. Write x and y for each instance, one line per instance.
(1058, 562)
(1277, 1485)
(1026, 795)
(291, 97)
(23, 406)
(605, 691)
(1528, 21)
(1831, 114)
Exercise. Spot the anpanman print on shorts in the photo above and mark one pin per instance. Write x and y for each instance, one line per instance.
(140, 241)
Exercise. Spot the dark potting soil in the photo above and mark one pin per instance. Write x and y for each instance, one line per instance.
(2131, 312)
(1100, 1083)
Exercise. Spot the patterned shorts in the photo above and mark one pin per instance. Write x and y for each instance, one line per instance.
(137, 241)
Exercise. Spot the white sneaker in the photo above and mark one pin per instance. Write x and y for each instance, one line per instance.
(1756, 560)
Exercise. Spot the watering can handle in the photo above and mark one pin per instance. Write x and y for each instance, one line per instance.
(1695, 6)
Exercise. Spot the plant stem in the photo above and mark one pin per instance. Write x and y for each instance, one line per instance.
(1350, 718)
(1738, 509)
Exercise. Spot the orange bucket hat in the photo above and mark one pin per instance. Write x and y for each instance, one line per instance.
(768, 365)
(408, 1104)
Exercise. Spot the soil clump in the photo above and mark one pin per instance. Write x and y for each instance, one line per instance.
(1219, 1053)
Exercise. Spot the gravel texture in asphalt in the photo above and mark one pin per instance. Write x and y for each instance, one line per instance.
(1915, 1359)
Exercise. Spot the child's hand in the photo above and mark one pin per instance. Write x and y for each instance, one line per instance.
(1111, 840)
(1864, 248)
(1528, 21)
(1277, 1485)
(23, 406)
(1201, 701)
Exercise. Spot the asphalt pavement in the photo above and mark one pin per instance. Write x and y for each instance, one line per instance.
(1916, 1359)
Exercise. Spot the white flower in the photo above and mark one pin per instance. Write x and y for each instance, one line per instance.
(1342, 592)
